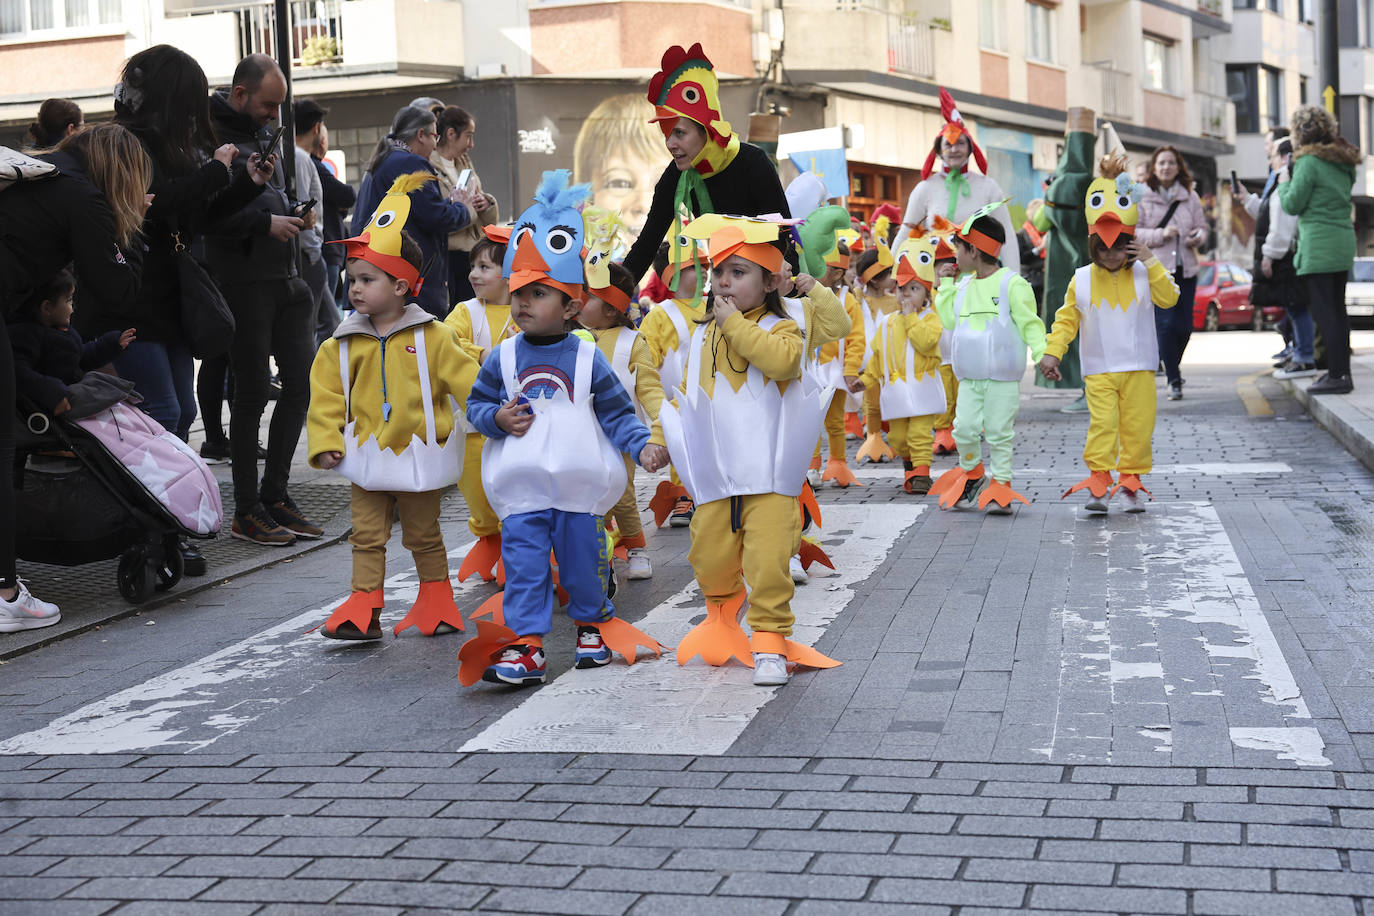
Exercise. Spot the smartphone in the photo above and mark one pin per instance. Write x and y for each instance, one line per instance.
(272, 144)
(304, 208)
(464, 177)
(1235, 185)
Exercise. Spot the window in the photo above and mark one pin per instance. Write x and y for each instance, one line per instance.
(1302, 90)
(1305, 11)
(1273, 97)
(1243, 92)
(992, 26)
(18, 17)
(1040, 25)
(1274, 6)
(1159, 64)
(1205, 274)
(1242, 4)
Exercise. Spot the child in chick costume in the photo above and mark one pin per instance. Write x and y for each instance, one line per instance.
(905, 366)
(1108, 307)
(741, 436)
(390, 429)
(556, 419)
(992, 318)
(481, 323)
(877, 295)
(606, 316)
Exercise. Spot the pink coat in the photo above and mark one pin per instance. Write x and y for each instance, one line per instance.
(1187, 217)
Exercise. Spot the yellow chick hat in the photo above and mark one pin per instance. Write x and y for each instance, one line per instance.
(1111, 205)
(380, 241)
(752, 239)
(884, 262)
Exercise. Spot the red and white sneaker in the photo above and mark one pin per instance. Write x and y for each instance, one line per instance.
(25, 612)
(518, 664)
(592, 651)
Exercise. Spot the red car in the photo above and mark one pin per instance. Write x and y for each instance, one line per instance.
(1223, 299)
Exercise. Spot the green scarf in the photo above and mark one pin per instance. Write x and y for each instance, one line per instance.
(690, 182)
(956, 186)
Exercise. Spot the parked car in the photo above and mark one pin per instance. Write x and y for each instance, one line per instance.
(1223, 299)
(1359, 291)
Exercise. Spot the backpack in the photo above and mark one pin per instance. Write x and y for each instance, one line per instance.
(16, 167)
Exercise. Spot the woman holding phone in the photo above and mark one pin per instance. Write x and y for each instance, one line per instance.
(1174, 227)
(457, 132)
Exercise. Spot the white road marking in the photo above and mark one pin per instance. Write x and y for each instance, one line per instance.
(892, 470)
(195, 705)
(658, 707)
(1191, 573)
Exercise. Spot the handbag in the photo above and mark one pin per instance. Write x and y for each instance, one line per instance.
(207, 324)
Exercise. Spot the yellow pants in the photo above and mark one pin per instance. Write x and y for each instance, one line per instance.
(626, 512)
(946, 419)
(1121, 421)
(482, 519)
(768, 534)
(834, 427)
(373, 515)
(912, 438)
(873, 414)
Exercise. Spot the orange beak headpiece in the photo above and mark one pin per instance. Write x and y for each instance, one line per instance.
(752, 239)
(1111, 203)
(954, 129)
(884, 262)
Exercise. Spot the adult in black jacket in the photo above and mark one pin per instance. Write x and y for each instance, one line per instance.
(252, 254)
(712, 170)
(161, 99)
(88, 213)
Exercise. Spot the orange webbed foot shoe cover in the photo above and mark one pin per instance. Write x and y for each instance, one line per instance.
(1131, 482)
(944, 442)
(794, 652)
(718, 637)
(815, 464)
(479, 652)
(810, 509)
(1001, 493)
(875, 450)
(435, 612)
(1098, 483)
(917, 481)
(484, 559)
(837, 470)
(665, 498)
(853, 425)
(812, 552)
(358, 618)
(625, 638)
(493, 608)
(949, 486)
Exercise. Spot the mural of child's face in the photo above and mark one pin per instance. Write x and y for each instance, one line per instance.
(624, 183)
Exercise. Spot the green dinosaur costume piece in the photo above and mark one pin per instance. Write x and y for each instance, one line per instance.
(1068, 241)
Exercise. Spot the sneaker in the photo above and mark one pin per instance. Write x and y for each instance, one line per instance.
(214, 451)
(638, 566)
(1282, 355)
(1331, 384)
(770, 670)
(682, 513)
(1130, 501)
(286, 513)
(25, 612)
(258, 526)
(273, 388)
(813, 477)
(972, 488)
(1176, 391)
(799, 576)
(1097, 503)
(192, 560)
(518, 664)
(1296, 370)
(591, 649)
(262, 452)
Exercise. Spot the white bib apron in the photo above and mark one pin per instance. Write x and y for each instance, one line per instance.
(907, 397)
(995, 352)
(1116, 338)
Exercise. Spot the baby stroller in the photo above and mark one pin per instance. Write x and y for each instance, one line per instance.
(115, 484)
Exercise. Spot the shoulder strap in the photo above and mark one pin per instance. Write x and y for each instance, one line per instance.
(959, 293)
(481, 328)
(1004, 303)
(1083, 288)
(343, 376)
(507, 357)
(426, 393)
(1142, 284)
(694, 347)
(1169, 213)
(679, 322)
(582, 375)
(624, 344)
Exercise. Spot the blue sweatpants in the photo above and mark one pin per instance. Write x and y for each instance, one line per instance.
(578, 542)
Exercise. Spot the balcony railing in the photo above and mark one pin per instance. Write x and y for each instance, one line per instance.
(1212, 112)
(910, 47)
(316, 28)
(1118, 91)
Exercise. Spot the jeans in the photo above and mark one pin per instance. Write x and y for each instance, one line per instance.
(273, 318)
(8, 574)
(164, 374)
(1326, 299)
(1304, 333)
(1173, 327)
(326, 313)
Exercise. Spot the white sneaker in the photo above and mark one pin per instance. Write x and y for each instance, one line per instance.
(639, 566)
(1096, 503)
(770, 670)
(1130, 501)
(813, 477)
(799, 576)
(26, 612)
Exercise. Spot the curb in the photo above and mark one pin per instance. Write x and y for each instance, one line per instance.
(1341, 416)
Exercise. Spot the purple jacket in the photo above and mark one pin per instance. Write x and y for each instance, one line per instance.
(1187, 217)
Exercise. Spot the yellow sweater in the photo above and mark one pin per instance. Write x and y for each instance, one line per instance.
(922, 329)
(451, 372)
(1116, 288)
(826, 320)
(853, 342)
(739, 343)
(498, 319)
(648, 389)
(658, 332)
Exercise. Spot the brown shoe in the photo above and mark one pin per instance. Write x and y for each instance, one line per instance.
(258, 526)
(287, 514)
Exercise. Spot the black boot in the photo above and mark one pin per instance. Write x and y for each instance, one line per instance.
(193, 561)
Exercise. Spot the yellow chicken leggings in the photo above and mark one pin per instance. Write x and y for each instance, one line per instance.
(873, 414)
(626, 512)
(482, 519)
(1121, 421)
(834, 427)
(912, 439)
(748, 538)
(946, 419)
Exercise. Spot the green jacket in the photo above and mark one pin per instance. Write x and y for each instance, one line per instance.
(1318, 194)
